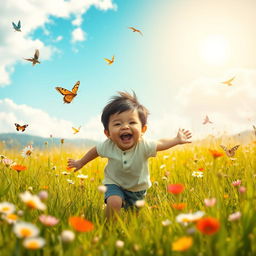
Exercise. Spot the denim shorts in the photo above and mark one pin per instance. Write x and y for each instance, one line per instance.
(129, 198)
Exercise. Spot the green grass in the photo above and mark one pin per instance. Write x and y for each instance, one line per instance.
(142, 232)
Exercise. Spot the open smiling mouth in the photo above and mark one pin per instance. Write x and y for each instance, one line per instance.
(126, 137)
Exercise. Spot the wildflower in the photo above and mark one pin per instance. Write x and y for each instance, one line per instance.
(210, 202)
(25, 229)
(216, 153)
(43, 194)
(18, 167)
(182, 244)
(70, 181)
(234, 216)
(27, 151)
(11, 218)
(54, 168)
(119, 244)
(201, 169)
(7, 208)
(140, 203)
(48, 220)
(242, 189)
(225, 196)
(162, 166)
(32, 201)
(236, 183)
(95, 240)
(65, 173)
(30, 188)
(82, 176)
(175, 188)
(102, 188)
(166, 222)
(7, 162)
(208, 225)
(163, 178)
(186, 218)
(179, 206)
(34, 243)
(166, 156)
(197, 174)
(80, 224)
(67, 236)
(166, 173)
(156, 183)
(2, 157)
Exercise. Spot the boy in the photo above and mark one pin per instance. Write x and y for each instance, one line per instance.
(126, 174)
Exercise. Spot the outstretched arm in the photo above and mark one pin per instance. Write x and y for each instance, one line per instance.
(182, 137)
(78, 164)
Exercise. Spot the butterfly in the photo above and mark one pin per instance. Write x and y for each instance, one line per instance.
(21, 127)
(76, 130)
(135, 30)
(17, 27)
(207, 120)
(35, 59)
(229, 82)
(230, 152)
(68, 95)
(110, 62)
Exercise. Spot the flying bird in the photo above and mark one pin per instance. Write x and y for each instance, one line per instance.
(76, 130)
(17, 27)
(68, 95)
(230, 152)
(207, 120)
(35, 59)
(135, 30)
(110, 62)
(21, 127)
(229, 82)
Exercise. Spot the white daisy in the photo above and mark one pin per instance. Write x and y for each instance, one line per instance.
(198, 174)
(7, 208)
(33, 243)
(32, 201)
(27, 151)
(25, 230)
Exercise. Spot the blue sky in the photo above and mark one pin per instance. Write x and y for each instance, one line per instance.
(181, 59)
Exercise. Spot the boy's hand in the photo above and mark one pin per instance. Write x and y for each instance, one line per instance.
(183, 136)
(75, 164)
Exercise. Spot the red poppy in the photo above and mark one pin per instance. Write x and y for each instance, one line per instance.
(80, 224)
(179, 206)
(201, 169)
(175, 188)
(216, 153)
(18, 167)
(208, 225)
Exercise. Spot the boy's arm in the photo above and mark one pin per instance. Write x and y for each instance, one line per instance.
(78, 164)
(181, 138)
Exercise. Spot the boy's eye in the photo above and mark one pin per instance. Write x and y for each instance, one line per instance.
(133, 122)
(116, 124)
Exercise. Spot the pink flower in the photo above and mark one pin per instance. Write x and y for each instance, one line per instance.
(48, 220)
(236, 183)
(234, 216)
(210, 202)
(242, 189)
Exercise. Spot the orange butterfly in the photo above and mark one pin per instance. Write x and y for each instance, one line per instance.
(76, 130)
(135, 30)
(110, 62)
(21, 127)
(68, 95)
(230, 152)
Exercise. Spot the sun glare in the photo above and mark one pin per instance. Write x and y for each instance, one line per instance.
(214, 50)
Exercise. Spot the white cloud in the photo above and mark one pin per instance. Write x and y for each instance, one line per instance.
(78, 35)
(42, 124)
(78, 21)
(33, 15)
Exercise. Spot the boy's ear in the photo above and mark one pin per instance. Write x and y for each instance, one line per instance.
(106, 133)
(144, 128)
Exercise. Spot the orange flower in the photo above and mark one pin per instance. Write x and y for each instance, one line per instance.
(18, 167)
(208, 225)
(201, 169)
(179, 206)
(175, 188)
(216, 153)
(80, 224)
(182, 244)
(68, 169)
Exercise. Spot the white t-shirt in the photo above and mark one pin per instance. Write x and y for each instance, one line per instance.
(127, 169)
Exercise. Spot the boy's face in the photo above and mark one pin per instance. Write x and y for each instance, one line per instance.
(125, 129)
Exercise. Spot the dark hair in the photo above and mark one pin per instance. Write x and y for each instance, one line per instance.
(124, 102)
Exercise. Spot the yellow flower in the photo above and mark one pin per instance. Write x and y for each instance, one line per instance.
(182, 244)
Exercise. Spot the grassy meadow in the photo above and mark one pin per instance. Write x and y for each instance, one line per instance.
(173, 219)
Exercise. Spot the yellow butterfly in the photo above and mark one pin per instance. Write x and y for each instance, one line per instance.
(110, 62)
(230, 152)
(21, 127)
(229, 82)
(76, 130)
(68, 95)
(135, 30)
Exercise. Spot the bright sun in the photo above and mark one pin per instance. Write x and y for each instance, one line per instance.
(214, 49)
